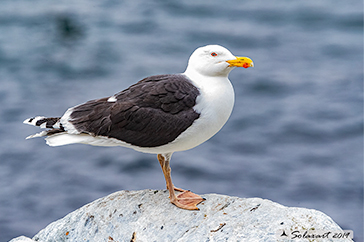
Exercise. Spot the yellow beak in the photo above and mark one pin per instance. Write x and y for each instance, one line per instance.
(241, 62)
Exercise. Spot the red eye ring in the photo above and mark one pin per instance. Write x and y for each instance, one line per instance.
(213, 54)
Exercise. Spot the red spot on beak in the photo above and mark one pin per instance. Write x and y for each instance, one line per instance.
(246, 65)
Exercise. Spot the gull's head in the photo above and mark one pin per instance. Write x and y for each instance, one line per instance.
(215, 60)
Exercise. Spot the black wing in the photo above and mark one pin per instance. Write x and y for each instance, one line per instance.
(150, 113)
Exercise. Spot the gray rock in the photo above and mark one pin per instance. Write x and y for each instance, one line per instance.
(147, 216)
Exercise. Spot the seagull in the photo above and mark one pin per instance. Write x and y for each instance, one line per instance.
(160, 114)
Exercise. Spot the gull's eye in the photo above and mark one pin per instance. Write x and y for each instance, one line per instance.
(213, 54)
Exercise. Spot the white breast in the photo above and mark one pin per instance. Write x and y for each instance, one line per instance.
(215, 104)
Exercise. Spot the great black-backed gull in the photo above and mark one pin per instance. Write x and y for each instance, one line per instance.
(160, 114)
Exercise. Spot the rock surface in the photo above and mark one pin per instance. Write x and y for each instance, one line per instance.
(147, 216)
(22, 239)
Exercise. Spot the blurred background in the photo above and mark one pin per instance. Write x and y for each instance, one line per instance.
(294, 137)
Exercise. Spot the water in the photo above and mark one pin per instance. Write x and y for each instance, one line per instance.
(295, 135)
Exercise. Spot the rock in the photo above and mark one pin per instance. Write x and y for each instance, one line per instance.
(22, 239)
(148, 215)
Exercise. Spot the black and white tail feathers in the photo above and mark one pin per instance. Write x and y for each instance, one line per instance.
(43, 122)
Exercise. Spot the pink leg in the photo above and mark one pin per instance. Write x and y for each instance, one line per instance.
(187, 199)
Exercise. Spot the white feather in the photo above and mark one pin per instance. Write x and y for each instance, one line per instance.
(67, 125)
(112, 99)
(60, 139)
(40, 134)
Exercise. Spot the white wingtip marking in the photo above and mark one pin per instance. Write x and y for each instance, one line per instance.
(33, 121)
(40, 134)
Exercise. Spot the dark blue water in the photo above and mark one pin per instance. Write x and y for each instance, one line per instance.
(295, 135)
